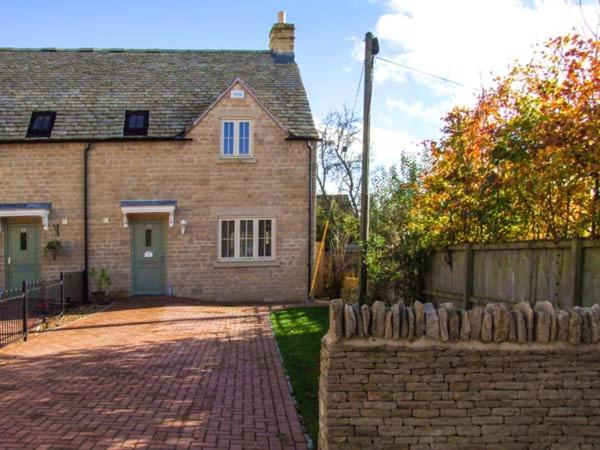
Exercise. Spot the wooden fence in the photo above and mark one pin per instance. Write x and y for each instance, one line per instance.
(566, 273)
(323, 268)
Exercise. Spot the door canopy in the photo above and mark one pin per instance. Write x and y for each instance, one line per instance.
(27, 210)
(148, 207)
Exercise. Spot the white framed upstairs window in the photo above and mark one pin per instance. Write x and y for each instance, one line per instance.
(236, 138)
(246, 239)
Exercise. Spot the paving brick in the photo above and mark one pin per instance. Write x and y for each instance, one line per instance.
(150, 373)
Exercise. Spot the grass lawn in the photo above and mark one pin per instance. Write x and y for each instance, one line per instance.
(298, 332)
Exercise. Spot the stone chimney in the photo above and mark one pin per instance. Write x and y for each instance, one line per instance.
(281, 40)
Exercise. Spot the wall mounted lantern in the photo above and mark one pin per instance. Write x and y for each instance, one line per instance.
(183, 224)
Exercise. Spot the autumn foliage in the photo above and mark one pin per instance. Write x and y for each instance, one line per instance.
(524, 162)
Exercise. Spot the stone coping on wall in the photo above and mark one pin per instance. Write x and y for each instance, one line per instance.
(424, 344)
(422, 324)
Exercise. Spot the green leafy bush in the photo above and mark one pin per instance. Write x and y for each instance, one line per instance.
(101, 279)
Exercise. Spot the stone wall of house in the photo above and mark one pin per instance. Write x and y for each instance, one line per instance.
(46, 173)
(490, 378)
(273, 184)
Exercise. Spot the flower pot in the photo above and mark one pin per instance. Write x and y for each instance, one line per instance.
(99, 297)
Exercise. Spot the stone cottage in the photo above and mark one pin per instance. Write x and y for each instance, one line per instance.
(178, 171)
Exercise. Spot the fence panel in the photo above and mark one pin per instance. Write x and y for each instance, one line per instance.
(44, 300)
(566, 273)
(11, 316)
(590, 283)
(24, 309)
(73, 288)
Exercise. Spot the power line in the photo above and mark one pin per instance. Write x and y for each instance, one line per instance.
(422, 72)
(594, 33)
(362, 71)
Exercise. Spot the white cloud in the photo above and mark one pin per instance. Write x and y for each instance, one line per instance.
(465, 40)
(418, 110)
(388, 145)
(468, 41)
(358, 48)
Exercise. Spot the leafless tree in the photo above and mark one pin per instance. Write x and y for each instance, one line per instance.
(340, 157)
(339, 172)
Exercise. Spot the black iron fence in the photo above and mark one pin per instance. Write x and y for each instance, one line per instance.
(31, 306)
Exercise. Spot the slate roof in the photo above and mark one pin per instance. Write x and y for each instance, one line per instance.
(91, 89)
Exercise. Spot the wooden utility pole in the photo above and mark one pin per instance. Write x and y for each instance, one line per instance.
(371, 49)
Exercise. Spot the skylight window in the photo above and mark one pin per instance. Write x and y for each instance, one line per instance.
(136, 123)
(41, 124)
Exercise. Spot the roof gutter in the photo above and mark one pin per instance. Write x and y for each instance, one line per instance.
(88, 141)
(293, 137)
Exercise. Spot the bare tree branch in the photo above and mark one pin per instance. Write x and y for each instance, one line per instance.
(340, 157)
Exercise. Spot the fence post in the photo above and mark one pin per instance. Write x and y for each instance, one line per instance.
(24, 291)
(468, 288)
(577, 257)
(62, 293)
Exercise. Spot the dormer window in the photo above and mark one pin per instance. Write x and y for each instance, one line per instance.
(136, 123)
(41, 124)
(236, 139)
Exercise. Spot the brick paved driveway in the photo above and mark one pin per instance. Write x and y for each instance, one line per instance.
(150, 373)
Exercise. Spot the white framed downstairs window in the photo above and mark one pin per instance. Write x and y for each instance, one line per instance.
(246, 239)
(236, 138)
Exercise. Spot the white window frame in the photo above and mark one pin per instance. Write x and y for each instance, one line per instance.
(255, 239)
(236, 138)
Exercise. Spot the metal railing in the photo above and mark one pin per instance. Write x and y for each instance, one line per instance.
(22, 310)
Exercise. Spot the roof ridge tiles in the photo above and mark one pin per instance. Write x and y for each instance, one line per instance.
(132, 50)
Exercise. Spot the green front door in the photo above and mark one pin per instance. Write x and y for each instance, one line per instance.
(22, 256)
(148, 257)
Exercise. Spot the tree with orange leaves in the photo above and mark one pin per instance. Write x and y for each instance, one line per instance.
(524, 162)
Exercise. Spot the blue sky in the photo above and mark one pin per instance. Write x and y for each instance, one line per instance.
(463, 40)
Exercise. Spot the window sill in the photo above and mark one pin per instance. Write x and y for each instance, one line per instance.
(255, 263)
(236, 159)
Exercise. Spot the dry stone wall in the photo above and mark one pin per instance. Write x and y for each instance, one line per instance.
(492, 377)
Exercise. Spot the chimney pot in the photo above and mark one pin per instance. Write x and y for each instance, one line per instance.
(281, 17)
